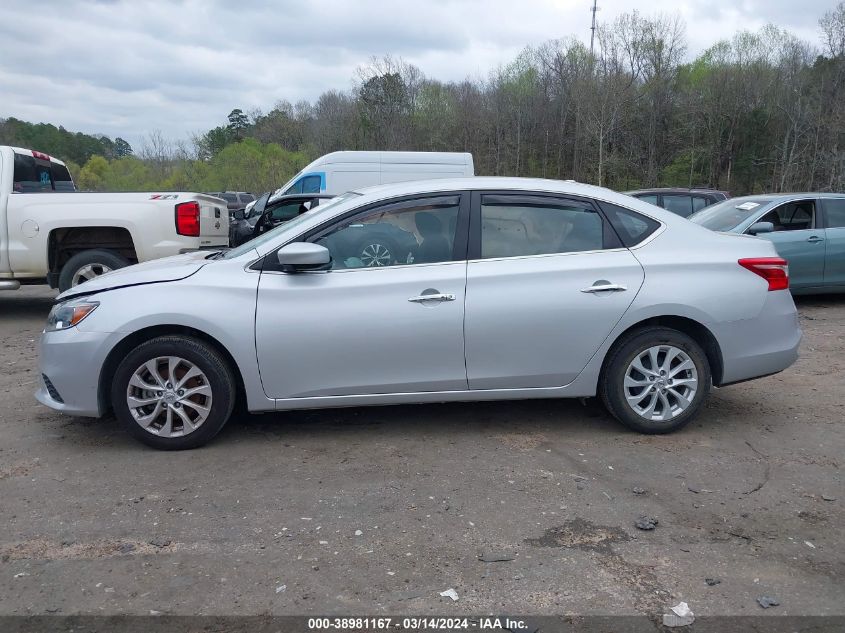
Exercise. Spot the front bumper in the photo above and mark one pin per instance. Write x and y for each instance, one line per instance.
(71, 360)
(764, 345)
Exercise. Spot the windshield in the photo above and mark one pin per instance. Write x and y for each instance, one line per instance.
(728, 214)
(288, 226)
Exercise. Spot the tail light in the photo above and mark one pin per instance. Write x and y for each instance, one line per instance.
(188, 219)
(40, 155)
(773, 269)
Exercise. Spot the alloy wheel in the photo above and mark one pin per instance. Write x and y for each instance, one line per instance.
(169, 396)
(88, 272)
(660, 382)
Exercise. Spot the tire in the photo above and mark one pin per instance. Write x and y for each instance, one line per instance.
(689, 383)
(216, 380)
(98, 261)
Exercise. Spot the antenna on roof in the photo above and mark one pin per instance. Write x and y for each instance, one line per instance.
(593, 10)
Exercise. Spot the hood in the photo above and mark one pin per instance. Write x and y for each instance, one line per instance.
(152, 272)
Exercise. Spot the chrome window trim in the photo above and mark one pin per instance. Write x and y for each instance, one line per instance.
(542, 255)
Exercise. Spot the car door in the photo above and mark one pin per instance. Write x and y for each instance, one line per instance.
(834, 263)
(799, 238)
(547, 280)
(394, 326)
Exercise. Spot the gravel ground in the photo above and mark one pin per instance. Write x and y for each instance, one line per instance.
(376, 511)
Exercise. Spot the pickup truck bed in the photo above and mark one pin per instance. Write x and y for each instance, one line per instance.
(54, 235)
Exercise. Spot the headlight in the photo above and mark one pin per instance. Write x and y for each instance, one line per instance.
(66, 315)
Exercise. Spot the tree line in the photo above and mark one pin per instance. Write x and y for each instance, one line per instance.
(761, 111)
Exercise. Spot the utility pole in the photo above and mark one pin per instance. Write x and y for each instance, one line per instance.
(593, 10)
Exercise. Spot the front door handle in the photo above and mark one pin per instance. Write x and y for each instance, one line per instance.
(432, 297)
(815, 238)
(605, 288)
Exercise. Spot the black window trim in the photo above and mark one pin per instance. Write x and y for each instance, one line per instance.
(610, 238)
(269, 263)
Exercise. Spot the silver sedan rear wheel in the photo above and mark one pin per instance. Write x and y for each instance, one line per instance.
(169, 396)
(660, 382)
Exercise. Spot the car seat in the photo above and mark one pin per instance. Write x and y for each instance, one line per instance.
(434, 246)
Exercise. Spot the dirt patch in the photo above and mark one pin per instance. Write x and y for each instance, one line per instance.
(649, 595)
(19, 469)
(581, 534)
(43, 549)
(521, 441)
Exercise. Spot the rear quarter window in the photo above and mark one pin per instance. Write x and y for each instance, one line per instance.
(61, 178)
(631, 227)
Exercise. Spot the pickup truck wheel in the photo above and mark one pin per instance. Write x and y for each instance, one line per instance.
(88, 265)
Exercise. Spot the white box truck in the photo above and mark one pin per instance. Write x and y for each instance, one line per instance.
(339, 172)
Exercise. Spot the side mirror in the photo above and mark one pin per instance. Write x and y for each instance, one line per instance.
(761, 227)
(239, 214)
(304, 256)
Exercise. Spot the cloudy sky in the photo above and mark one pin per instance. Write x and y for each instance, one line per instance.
(125, 68)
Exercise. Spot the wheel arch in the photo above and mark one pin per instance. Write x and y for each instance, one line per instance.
(66, 241)
(700, 333)
(131, 341)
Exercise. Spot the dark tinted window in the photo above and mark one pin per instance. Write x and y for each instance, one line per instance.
(246, 198)
(794, 216)
(285, 212)
(699, 202)
(31, 175)
(632, 227)
(835, 212)
(516, 226)
(678, 203)
(648, 197)
(229, 197)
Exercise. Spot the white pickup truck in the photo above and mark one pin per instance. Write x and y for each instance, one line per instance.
(49, 233)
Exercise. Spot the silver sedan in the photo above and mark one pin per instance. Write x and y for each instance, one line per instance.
(483, 289)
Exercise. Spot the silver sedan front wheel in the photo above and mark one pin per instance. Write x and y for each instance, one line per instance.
(169, 396)
(661, 382)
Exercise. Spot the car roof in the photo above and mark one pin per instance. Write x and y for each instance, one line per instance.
(774, 197)
(674, 190)
(509, 183)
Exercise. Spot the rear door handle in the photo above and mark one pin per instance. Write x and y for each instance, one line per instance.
(605, 287)
(815, 238)
(432, 297)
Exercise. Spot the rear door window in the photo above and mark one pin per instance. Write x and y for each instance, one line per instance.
(650, 198)
(525, 225)
(680, 204)
(835, 211)
(699, 202)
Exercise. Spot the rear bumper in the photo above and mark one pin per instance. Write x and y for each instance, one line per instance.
(71, 361)
(764, 345)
